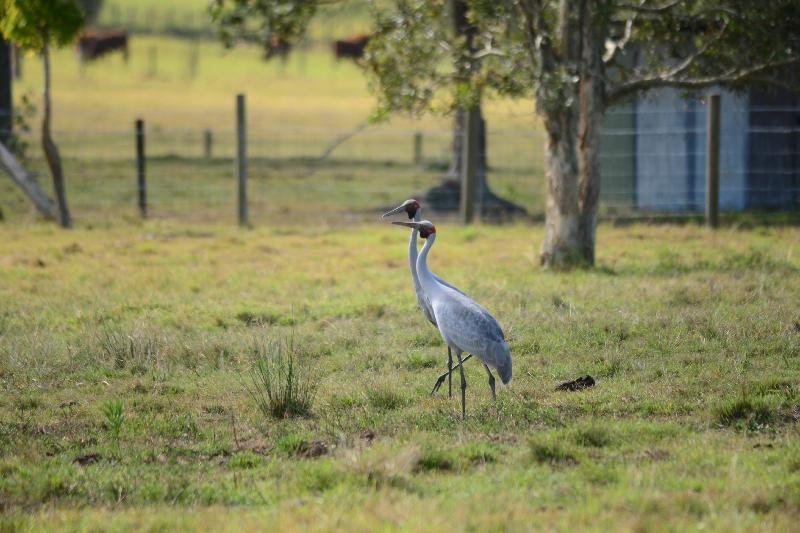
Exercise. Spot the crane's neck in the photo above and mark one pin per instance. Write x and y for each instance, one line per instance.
(412, 251)
(426, 279)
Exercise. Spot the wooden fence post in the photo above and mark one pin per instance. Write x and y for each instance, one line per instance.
(140, 168)
(712, 163)
(241, 159)
(469, 167)
(418, 148)
(208, 142)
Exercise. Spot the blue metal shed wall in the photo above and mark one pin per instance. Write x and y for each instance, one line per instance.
(671, 152)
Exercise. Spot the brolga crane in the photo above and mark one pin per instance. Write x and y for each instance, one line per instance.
(464, 325)
(414, 211)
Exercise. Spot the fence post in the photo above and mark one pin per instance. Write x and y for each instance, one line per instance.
(469, 167)
(241, 159)
(418, 148)
(712, 163)
(140, 169)
(207, 143)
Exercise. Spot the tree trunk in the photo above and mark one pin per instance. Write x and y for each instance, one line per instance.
(6, 107)
(51, 150)
(562, 242)
(28, 185)
(572, 165)
(457, 147)
(590, 110)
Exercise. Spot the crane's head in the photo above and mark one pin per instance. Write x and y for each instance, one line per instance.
(425, 227)
(409, 206)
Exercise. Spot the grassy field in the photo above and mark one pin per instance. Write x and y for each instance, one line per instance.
(127, 347)
(125, 357)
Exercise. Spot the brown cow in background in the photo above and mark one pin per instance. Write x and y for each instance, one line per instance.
(352, 47)
(94, 43)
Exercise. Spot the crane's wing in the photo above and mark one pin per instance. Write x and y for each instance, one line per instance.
(471, 328)
(443, 282)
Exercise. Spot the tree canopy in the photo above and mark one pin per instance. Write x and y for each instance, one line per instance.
(34, 24)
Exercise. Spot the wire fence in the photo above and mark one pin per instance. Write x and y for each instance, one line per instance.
(652, 163)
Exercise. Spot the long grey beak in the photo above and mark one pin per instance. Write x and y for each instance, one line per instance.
(407, 224)
(398, 209)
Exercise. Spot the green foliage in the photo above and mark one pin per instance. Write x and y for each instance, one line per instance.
(24, 112)
(419, 61)
(114, 412)
(280, 386)
(35, 24)
(259, 21)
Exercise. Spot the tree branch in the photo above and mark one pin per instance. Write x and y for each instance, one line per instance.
(684, 65)
(641, 8)
(729, 77)
(617, 46)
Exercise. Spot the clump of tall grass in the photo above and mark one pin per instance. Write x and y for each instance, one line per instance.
(280, 385)
(115, 416)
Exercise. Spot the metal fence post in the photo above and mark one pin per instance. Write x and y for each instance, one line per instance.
(712, 163)
(140, 168)
(418, 148)
(469, 167)
(241, 159)
(208, 141)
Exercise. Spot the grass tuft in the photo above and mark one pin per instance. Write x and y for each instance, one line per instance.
(292, 444)
(115, 416)
(479, 453)
(592, 437)
(434, 460)
(545, 452)
(246, 460)
(280, 386)
(747, 412)
(385, 398)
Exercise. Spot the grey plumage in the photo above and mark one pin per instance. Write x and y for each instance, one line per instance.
(413, 209)
(467, 326)
(464, 324)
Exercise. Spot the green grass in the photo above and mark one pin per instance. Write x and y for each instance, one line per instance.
(126, 346)
(125, 353)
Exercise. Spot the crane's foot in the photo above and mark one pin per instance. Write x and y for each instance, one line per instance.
(463, 387)
(446, 375)
(439, 382)
(491, 382)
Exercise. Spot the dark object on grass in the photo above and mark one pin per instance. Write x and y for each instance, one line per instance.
(88, 459)
(315, 448)
(577, 384)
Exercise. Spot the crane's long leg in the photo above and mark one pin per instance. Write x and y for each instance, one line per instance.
(449, 372)
(491, 381)
(463, 386)
(444, 376)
